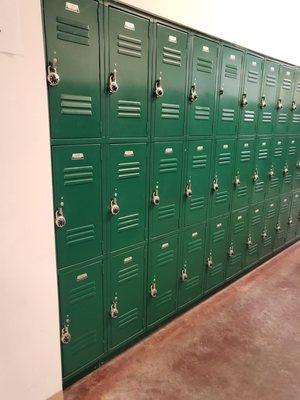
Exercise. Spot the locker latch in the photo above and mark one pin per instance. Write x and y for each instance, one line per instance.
(298, 164)
(188, 190)
(237, 181)
(244, 100)
(210, 262)
(221, 91)
(60, 220)
(279, 104)
(255, 176)
(230, 251)
(215, 185)
(294, 107)
(264, 234)
(184, 275)
(65, 335)
(155, 198)
(249, 241)
(153, 290)
(113, 86)
(52, 75)
(290, 221)
(114, 207)
(277, 227)
(271, 172)
(114, 311)
(193, 93)
(263, 102)
(158, 90)
(285, 169)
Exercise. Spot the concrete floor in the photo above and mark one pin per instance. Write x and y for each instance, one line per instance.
(242, 343)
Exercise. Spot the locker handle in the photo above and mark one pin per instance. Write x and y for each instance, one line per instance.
(263, 102)
(215, 185)
(271, 172)
(113, 86)
(237, 181)
(114, 311)
(231, 251)
(290, 221)
(277, 227)
(193, 93)
(114, 207)
(285, 169)
(249, 241)
(255, 176)
(294, 106)
(65, 335)
(210, 262)
(188, 190)
(60, 220)
(52, 76)
(155, 198)
(158, 90)
(279, 104)
(264, 234)
(244, 100)
(184, 275)
(298, 164)
(153, 290)
(221, 91)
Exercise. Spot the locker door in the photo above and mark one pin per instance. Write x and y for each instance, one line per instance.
(170, 75)
(128, 66)
(294, 125)
(192, 267)
(242, 180)
(229, 91)
(203, 81)
(282, 221)
(216, 251)
(127, 179)
(162, 279)
(262, 165)
(166, 185)
(197, 180)
(296, 183)
(254, 234)
(267, 103)
(126, 295)
(293, 216)
(249, 102)
(73, 49)
(284, 101)
(277, 167)
(76, 175)
(81, 315)
(289, 167)
(221, 187)
(236, 243)
(268, 230)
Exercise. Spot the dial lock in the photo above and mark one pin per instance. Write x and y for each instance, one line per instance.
(153, 290)
(255, 176)
(230, 251)
(158, 90)
(279, 104)
(112, 85)
(52, 75)
(298, 164)
(184, 275)
(264, 234)
(155, 198)
(114, 207)
(210, 262)
(244, 100)
(249, 241)
(237, 181)
(263, 102)
(114, 311)
(188, 190)
(285, 169)
(215, 185)
(271, 172)
(193, 94)
(65, 336)
(290, 221)
(277, 227)
(294, 106)
(60, 220)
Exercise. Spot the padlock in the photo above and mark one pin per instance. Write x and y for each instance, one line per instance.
(277, 227)
(294, 106)
(237, 181)
(221, 91)
(155, 198)
(210, 262)
(285, 169)
(188, 190)
(114, 207)
(113, 86)
(244, 100)
(255, 176)
(153, 290)
(290, 221)
(264, 234)
(114, 312)
(230, 251)
(52, 75)
(263, 102)
(193, 93)
(60, 220)
(271, 172)
(184, 275)
(249, 241)
(279, 104)
(215, 185)
(65, 335)
(298, 164)
(158, 90)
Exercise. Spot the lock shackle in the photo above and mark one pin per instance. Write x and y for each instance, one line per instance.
(113, 86)
(263, 102)
(244, 101)
(193, 93)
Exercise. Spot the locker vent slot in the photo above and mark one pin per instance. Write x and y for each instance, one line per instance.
(196, 203)
(291, 150)
(252, 76)
(163, 298)
(170, 111)
(298, 87)
(129, 109)
(253, 249)
(167, 165)
(267, 241)
(282, 118)
(274, 182)
(165, 258)
(127, 318)
(75, 105)
(271, 212)
(278, 152)
(224, 158)
(259, 186)
(245, 155)
(192, 282)
(287, 179)
(128, 222)
(227, 114)
(72, 31)
(249, 116)
(239, 227)
(202, 113)
(82, 342)
(296, 118)
(81, 293)
(204, 65)
(241, 191)
(195, 245)
(221, 197)
(129, 46)
(128, 273)
(231, 71)
(284, 207)
(172, 56)
(263, 154)
(80, 234)
(78, 175)
(166, 211)
(235, 259)
(216, 269)
(199, 161)
(266, 117)
(128, 170)
(256, 219)
(286, 84)
(271, 80)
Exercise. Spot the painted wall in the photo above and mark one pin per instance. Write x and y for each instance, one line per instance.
(30, 353)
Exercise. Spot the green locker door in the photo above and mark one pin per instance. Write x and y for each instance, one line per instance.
(255, 227)
(229, 91)
(284, 100)
(127, 293)
(236, 242)
(169, 89)
(81, 315)
(166, 189)
(281, 227)
(289, 167)
(242, 180)
(294, 125)
(197, 181)
(77, 202)
(128, 67)
(73, 53)
(203, 82)
(262, 166)
(268, 230)
(162, 279)
(192, 267)
(296, 183)
(216, 252)
(222, 177)
(249, 102)
(277, 167)
(126, 206)
(267, 102)
(293, 217)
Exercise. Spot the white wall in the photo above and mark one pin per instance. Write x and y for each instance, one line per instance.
(29, 354)
(269, 27)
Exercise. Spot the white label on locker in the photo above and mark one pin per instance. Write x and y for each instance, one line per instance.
(285, 200)
(219, 225)
(165, 245)
(239, 217)
(288, 73)
(172, 39)
(279, 142)
(225, 146)
(72, 7)
(194, 234)
(257, 210)
(254, 63)
(293, 141)
(263, 143)
(205, 48)
(77, 156)
(232, 57)
(272, 205)
(81, 277)
(272, 69)
(168, 150)
(200, 148)
(129, 25)
(128, 153)
(246, 144)
(127, 259)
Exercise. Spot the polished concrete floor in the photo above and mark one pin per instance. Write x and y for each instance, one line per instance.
(241, 344)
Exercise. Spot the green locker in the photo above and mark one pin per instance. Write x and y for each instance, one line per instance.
(255, 227)
(296, 183)
(162, 278)
(281, 226)
(284, 100)
(236, 242)
(81, 315)
(249, 102)
(294, 125)
(242, 180)
(166, 189)
(293, 217)
(277, 166)
(262, 166)
(289, 167)
(126, 206)
(192, 268)
(197, 181)
(127, 78)
(127, 293)
(269, 224)
(202, 86)
(229, 91)
(169, 89)
(267, 103)
(77, 202)
(73, 69)
(221, 186)
(216, 250)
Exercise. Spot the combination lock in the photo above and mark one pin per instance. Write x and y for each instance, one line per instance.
(264, 234)
(114, 312)
(114, 207)
(65, 335)
(249, 241)
(244, 100)
(279, 104)
(193, 93)
(158, 90)
(231, 251)
(210, 262)
(153, 290)
(113, 86)
(237, 181)
(52, 75)
(215, 185)
(155, 198)
(271, 172)
(184, 275)
(263, 102)
(60, 220)
(255, 176)
(188, 190)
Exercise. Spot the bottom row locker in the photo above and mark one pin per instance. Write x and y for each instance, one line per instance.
(255, 225)
(269, 227)
(281, 226)
(293, 221)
